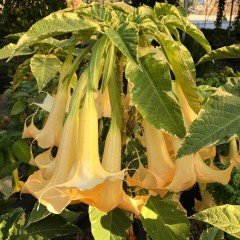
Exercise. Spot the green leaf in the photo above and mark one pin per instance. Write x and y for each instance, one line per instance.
(97, 60)
(205, 91)
(226, 218)
(163, 220)
(164, 9)
(101, 13)
(71, 216)
(197, 35)
(123, 7)
(212, 234)
(217, 122)
(115, 98)
(38, 213)
(44, 68)
(232, 51)
(8, 50)
(152, 81)
(109, 226)
(109, 66)
(18, 107)
(56, 23)
(48, 228)
(8, 169)
(183, 68)
(21, 72)
(125, 39)
(173, 17)
(21, 150)
(8, 223)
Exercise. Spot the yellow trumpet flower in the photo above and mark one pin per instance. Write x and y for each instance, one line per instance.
(161, 168)
(234, 153)
(84, 178)
(51, 132)
(162, 174)
(192, 168)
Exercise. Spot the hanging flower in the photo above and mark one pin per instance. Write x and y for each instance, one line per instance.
(206, 202)
(162, 174)
(160, 170)
(192, 168)
(110, 193)
(234, 153)
(51, 132)
(84, 178)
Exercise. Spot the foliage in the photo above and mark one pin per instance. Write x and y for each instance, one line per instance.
(20, 15)
(218, 121)
(224, 217)
(131, 61)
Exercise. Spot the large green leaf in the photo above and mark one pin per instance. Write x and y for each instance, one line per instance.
(56, 23)
(44, 68)
(38, 213)
(152, 81)
(97, 60)
(101, 13)
(18, 107)
(8, 223)
(212, 234)
(197, 35)
(163, 220)
(165, 9)
(183, 68)
(226, 218)
(8, 50)
(217, 122)
(109, 226)
(170, 15)
(232, 51)
(48, 228)
(21, 150)
(125, 39)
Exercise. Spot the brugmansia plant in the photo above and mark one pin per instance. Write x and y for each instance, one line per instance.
(124, 71)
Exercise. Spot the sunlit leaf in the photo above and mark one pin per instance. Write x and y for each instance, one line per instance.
(109, 226)
(8, 50)
(226, 218)
(125, 39)
(163, 220)
(232, 51)
(56, 23)
(183, 68)
(44, 68)
(151, 83)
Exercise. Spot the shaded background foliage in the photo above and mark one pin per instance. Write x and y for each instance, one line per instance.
(20, 15)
